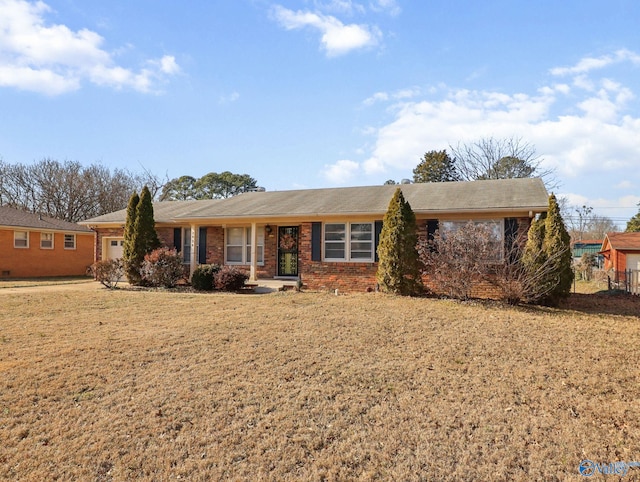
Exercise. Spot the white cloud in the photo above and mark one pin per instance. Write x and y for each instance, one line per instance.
(347, 7)
(53, 59)
(398, 95)
(336, 37)
(226, 99)
(588, 64)
(625, 185)
(168, 65)
(389, 6)
(341, 171)
(593, 134)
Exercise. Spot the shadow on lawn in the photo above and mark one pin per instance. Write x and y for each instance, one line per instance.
(604, 302)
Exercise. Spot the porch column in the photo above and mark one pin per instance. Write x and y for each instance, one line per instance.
(253, 271)
(193, 261)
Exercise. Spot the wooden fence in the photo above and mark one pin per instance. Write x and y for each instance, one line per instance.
(627, 281)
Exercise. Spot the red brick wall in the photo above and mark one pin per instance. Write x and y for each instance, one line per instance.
(34, 262)
(329, 275)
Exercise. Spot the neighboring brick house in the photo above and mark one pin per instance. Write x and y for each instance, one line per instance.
(325, 237)
(33, 246)
(621, 251)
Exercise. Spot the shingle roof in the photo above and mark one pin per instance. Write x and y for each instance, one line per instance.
(163, 212)
(24, 219)
(624, 241)
(427, 198)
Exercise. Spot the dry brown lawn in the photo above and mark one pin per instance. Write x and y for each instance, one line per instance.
(102, 385)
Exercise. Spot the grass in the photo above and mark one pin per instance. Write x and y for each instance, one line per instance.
(121, 385)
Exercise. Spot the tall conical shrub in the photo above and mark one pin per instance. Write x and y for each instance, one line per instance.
(558, 242)
(140, 237)
(399, 265)
(547, 256)
(129, 249)
(145, 225)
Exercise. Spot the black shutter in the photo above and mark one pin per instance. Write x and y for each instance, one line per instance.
(316, 238)
(202, 246)
(177, 239)
(510, 236)
(377, 231)
(432, 227)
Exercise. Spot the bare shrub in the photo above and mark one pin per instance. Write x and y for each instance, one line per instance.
(108, 272)
(230, 278)
(162, 267)
(457, 260)
(518, 282)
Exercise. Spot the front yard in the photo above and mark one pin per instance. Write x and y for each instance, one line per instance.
(121, 385)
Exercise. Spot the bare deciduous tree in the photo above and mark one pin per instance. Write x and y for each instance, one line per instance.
(67, 190)
(491, 158)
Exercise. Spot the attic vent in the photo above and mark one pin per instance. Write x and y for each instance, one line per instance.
(405, 181)
(259, 189)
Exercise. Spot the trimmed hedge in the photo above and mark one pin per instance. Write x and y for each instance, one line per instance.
(203, 278)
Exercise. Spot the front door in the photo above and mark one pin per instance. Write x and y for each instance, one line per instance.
(288, 250)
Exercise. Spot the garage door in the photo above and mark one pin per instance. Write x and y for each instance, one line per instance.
(114, 248)
(633, 261)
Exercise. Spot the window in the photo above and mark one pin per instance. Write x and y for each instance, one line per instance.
(21, 239)
(496, 231)
(238, 245)
(46, 240)
(348, 242)
(69, 241)
(186, 245)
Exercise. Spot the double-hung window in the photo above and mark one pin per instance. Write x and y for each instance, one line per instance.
(238, 245)
(69, 241)
(46, 240)
(21, 239)
(186, 245)
(348, 242)
(495, 229)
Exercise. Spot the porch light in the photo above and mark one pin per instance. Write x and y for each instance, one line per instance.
(268, 229)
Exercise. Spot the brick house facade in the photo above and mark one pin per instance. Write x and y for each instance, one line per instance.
(327, 238)
(33, 246)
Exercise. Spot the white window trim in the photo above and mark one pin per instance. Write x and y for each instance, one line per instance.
(347, 243)
(246, 245)
(186, 243)
(499, 221)
(15, 239)
(75, 241)
(53, 237)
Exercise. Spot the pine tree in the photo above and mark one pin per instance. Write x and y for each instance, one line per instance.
(398, 267)
(557, 242)
(436, 166)
(633, 225)
(129, 249)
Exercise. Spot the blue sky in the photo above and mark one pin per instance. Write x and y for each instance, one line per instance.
(324, 93)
